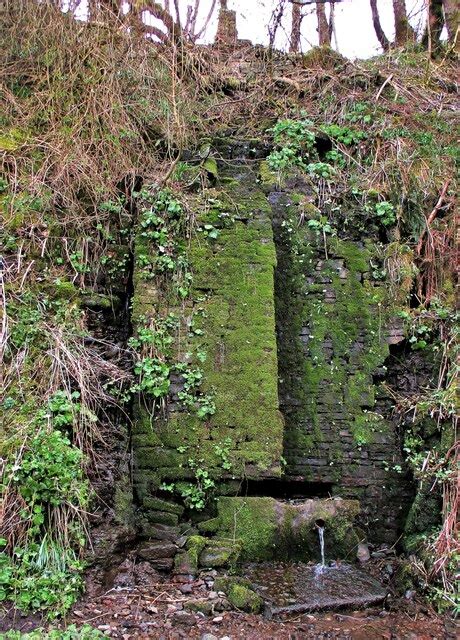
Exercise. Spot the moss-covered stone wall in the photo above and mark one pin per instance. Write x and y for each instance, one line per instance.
(227, 331)
(289, 327)
(335, 322)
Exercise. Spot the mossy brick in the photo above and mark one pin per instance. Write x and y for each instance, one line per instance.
(161, 517)
(185, 563)
(236, 329)
(251, 520)
(270, 529)
(156, 458)
(220, 553)
(156, 504)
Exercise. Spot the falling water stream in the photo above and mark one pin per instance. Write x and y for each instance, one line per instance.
(321, 544)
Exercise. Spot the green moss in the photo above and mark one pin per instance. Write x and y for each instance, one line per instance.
(424, 515)
(220, 553)
(123, 501)
(99, 301)
(162, 517)
(354, 309)
(357, 258)
(63, 289)
(251, 520)
(267, 177)
(234, 325)
(187, 562)
(157, 504)
(268, 529)
(156, 458)
(245, 599)
(12, 139)
(210, 165)
(225, 583)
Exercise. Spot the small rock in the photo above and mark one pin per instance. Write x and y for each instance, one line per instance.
(183, 619)
(209, 636)
(171, 608)
(152, 609)
(185, 588)
(213, 594)
(217, 619)
(162, 564)
(184, 579)
(409, 595)
(145, 574)
(244, 599)
(363, 553)
(202, 606)
(222, 604)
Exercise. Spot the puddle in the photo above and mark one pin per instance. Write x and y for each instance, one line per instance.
(302, 587)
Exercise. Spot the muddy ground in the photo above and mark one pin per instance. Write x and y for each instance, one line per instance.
(143, 604)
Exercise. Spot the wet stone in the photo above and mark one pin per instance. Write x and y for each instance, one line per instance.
(155, 550)
(301, 588)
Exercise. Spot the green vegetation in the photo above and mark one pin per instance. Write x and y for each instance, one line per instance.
(69, 633)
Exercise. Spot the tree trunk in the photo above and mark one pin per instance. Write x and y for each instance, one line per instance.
(296, 19)
(435, 22)
(92, 10)
(403, 31)
(323, 25)
(379, 32)
(452, 16)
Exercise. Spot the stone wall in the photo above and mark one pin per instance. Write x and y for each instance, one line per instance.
(334, 326)
(227, 330)
(294, 352)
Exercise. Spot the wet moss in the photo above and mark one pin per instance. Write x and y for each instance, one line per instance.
(123, 501)
(220, 552)
(269, 529)
(424, 515)
(234, 326)
(245, 599)
(252, 521)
